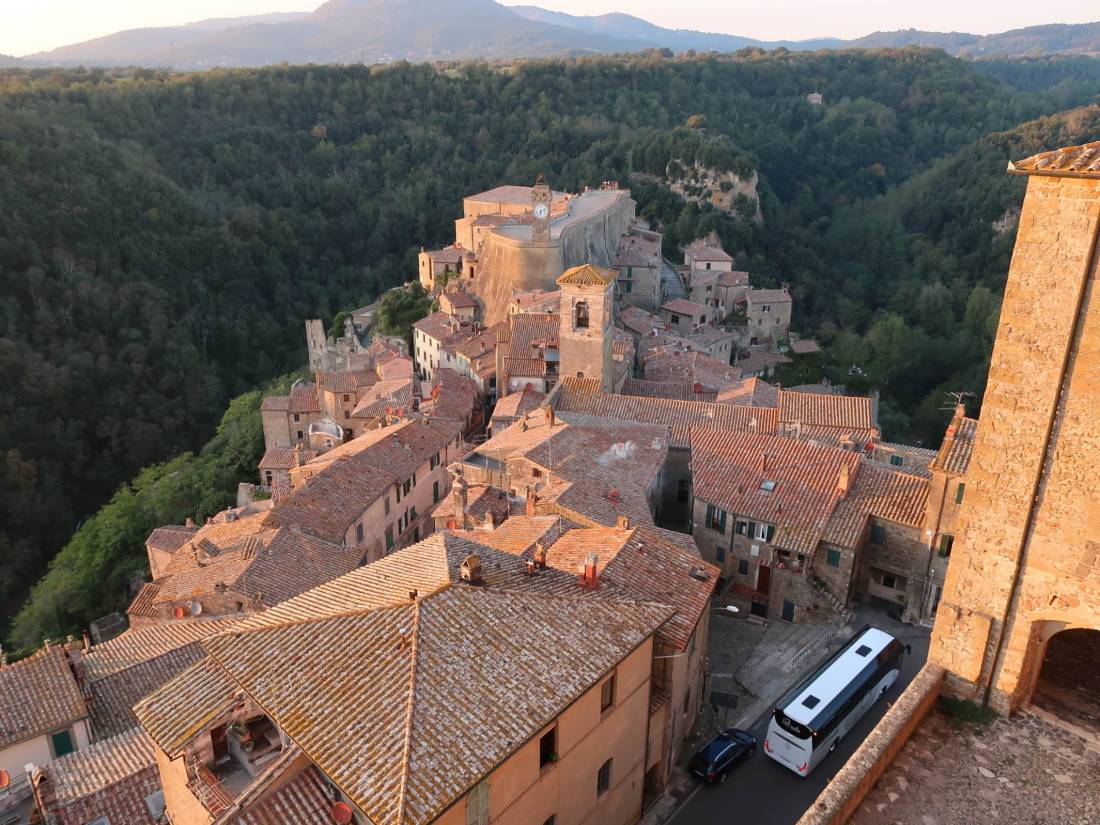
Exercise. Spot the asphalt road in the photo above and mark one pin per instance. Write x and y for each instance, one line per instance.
(763, 792)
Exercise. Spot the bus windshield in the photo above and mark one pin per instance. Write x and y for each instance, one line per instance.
(790, 726)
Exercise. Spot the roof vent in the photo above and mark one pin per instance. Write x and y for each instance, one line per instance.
(342, 813)
(862, 650)
(471, 569)
(698, 573)
(811, 702)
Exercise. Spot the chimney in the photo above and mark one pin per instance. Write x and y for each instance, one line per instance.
(763, 465)
(189, 522)
(297, 455)
(471, 569)
(532, 500)
(588, 571)
(549, 415)
(87, 642)
(412, 595)
(523, 424)
(489, 520)
(844, 482)
(540, 556)
(623, 523)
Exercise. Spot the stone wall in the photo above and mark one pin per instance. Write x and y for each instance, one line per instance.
(1027, 549)
(846, 791)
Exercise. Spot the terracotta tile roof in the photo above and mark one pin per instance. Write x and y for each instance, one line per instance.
(586, 275)
(519, 534)
(729, 468)
(696, 367)
(303, 800)
(270, 567)
(525, 367)
(143, 603)
(544, 300)
(131, 666)
(639, 321)
(102, 765)
(533, 333)
(682, 306)
(396, 394)
(458, 300)
(583, 396)
(283, 458)
(511, 194)
(516, 404)
(704, 251)
(757, 361)
(733, 279)
(184, 706)
(403, 749)
(481, 500)
(170, 537)
(345, 380)
(454, 397)
(840, 411)
(707, 337)
(275, 403)
(234, 524)
(303, 398)
(878, 491)
(674, 390)
(39, 695)
(484, 343)
(767, 296)
(447, 330)
(448, 254)
(357, 473)
(750, 392)
(958, 444)
(1071, 161)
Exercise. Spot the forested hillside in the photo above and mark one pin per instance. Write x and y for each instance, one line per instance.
(163, 236)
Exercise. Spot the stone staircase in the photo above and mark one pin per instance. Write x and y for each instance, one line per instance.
(672, 287)
(827, 596)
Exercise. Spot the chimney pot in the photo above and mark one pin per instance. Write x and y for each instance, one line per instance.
(471, 569)
(623, 523)
(588, 575)
(540, 555)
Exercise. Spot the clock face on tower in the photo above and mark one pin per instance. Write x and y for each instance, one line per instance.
(542, 210)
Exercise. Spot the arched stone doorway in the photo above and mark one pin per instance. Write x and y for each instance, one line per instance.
(1068, 683)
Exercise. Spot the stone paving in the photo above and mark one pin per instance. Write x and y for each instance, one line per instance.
(1018, 771)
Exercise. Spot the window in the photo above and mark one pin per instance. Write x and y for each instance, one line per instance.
(477, 804)
(386, 502)
(764, 532)
(862, 650)
(897, 460)
(607, 693)
(889, 581)
(408, 485)
(765, 308)
(347, 398)
(603, 778)
(435, 492)
(389, 538)
(675, 318)
(398, 488)
(100, 821)
(580, 315)
(743, 567)
(61, 743)
(299, 435)
(959, 493)
(945, 546)
(708, 266)
(536, 472)
(548, 747)
(297, 417)
(358, 533)
(347, 415)
(267, 477)
(878, 534)
(767, 485)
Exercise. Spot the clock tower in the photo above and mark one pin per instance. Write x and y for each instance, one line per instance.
(541, 197)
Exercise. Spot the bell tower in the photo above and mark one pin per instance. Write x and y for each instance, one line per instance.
(585, 330)
(540, 198)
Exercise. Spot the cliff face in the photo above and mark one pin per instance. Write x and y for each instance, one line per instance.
(699, 184)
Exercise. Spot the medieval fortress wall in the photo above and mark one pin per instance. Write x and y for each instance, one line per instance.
(583, 228)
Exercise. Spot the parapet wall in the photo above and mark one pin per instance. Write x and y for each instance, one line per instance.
(844, 794)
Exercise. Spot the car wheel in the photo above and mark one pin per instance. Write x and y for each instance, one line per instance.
(722, 777)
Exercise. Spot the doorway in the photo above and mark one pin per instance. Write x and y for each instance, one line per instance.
(1068, 684)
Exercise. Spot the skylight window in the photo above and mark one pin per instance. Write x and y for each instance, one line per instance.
(811, 702)
(767, 485)
(862, 650)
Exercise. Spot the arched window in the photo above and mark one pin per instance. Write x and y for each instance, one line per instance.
(580, 375)
(580, 315)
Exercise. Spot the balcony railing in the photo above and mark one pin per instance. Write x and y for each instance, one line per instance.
(209, 791)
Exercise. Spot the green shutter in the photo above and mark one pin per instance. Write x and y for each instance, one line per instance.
(771, 533)
(710, 515)
(833, 558)
(959, 493)
(722, 522)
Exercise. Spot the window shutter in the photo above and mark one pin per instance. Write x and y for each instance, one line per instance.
(752, 530)
(722, 522)
(710, 515)
(771, 533)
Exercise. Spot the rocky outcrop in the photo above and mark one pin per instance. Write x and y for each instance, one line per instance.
(699, 184)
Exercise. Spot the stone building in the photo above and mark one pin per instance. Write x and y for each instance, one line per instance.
(767, 315)
(638, 264)
(586, 333)
(1021, 602)
(266, 722)
(684, 317)
(706, 255)
(438, 267)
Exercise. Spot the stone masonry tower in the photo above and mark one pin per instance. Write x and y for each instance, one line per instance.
(1024, 581)
(541, 198)
(585, 332)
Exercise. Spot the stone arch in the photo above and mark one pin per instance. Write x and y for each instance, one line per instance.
(580, 315)
(1064, 669)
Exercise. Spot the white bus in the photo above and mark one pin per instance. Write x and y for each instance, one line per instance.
(811, 718)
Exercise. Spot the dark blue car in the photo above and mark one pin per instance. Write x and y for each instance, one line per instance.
(722, 754)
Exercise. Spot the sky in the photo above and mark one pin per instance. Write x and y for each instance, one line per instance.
(30, 26)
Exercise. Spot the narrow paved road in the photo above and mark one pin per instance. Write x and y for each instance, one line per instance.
(764, 792)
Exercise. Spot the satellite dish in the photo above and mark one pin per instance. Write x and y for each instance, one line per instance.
(196, 609)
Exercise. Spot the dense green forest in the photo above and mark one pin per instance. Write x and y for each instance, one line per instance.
(162, 236)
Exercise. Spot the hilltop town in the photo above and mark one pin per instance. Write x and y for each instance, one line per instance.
(485, 573)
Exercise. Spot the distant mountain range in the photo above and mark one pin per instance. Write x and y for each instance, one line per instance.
(373, 31)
